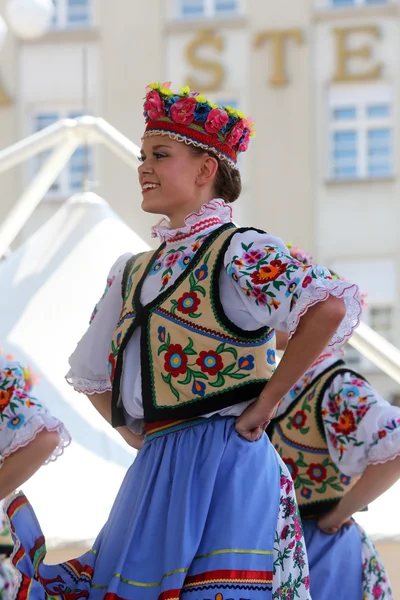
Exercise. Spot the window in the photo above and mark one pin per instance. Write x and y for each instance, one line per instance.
(80, 166)
(361, 135)
(207, 8)
(345, 3)
(381, 319)
(72, 14)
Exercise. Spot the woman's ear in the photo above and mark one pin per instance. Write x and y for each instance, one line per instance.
(207, 171)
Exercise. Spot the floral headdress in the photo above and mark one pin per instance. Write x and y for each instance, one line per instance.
(306, 259)
(189, 117)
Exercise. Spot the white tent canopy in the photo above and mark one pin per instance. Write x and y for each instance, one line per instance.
(50, 286)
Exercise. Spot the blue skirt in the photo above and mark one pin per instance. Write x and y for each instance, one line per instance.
(195, 518)
(335, 562)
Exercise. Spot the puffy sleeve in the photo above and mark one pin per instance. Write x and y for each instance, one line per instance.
(361, 427)
(278, 290)
(22, 417)
(88, 371)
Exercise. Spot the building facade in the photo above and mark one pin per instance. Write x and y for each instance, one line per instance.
(321, 79)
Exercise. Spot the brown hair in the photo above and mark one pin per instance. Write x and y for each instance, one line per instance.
(227, 184)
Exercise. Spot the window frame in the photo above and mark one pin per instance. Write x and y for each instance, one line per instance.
(209, 11)
(361, 98)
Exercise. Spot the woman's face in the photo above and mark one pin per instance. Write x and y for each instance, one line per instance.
(171, 178)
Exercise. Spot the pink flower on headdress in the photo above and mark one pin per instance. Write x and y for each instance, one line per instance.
(235, 134)
(217, 118)
(154, 105)
(244, 144)
(183, 109)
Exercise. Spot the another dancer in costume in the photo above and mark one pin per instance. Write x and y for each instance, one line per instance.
(182, 349)
(29, 437)
(341, 442)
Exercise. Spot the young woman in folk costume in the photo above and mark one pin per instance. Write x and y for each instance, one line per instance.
(341, 442)
(29, 437)
(180, 358)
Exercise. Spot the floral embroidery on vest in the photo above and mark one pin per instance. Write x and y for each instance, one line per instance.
(300, 440)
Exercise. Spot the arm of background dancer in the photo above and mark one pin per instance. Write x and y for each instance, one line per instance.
(312, 335)
(374, 482)
(102, 403)
(19, 466)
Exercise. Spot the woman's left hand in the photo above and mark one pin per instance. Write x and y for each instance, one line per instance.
(252, 423)
(334, 520)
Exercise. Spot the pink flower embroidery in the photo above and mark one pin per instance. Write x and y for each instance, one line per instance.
(154, 106)
(357, 383)
(235, 134)
(172, 259)
(244, 144)
(216, 120)
(377, 591)
(306, 582)
(306, 281)
(297, 529)
(260, 296)
(252, 257)
(183, 110)
(285, 532)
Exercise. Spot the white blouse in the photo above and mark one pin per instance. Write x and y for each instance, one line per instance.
(261, 285)
(361, 427)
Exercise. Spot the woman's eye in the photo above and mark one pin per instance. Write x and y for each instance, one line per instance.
(159, 155)
(141, 159)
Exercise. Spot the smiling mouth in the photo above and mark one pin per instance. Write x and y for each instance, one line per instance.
(148, 187)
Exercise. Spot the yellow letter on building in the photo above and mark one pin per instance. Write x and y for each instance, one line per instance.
(216, 70)
(344, 54)
(279, 41)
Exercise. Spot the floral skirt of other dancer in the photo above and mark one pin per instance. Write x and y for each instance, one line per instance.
(195, 519)
(345, 564)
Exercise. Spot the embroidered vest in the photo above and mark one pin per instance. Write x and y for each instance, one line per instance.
(194, 360)
(299, 437)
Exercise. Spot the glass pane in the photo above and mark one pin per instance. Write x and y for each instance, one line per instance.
(78, 12)
(380, 152)
(344, 154)
(376, 1)
(345, 113)
(343, 2)
(378, 111)
(192, 8)
(226, 6)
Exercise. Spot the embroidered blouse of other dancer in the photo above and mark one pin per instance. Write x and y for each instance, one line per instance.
(29, 435)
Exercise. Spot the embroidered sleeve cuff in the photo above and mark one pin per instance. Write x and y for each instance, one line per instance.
(318, 291)
(386, 445)
(30, 429)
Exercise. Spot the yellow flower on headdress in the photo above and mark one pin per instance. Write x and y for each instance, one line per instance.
(212, 105)
(230, 110)
(154, 86)
(185, 91)
(201, 98)
(166, 92)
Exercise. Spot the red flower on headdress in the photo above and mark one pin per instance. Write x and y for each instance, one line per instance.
(235, 134)
(183, 110)
(154, 106)
(216, 120)
(244, 144)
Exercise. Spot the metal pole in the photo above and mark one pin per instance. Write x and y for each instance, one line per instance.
(118, 143)
(33, 194)
(378, 350)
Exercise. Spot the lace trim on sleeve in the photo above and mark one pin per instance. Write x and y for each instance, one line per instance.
(320, 291)
(30, 429)
(88, 386)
